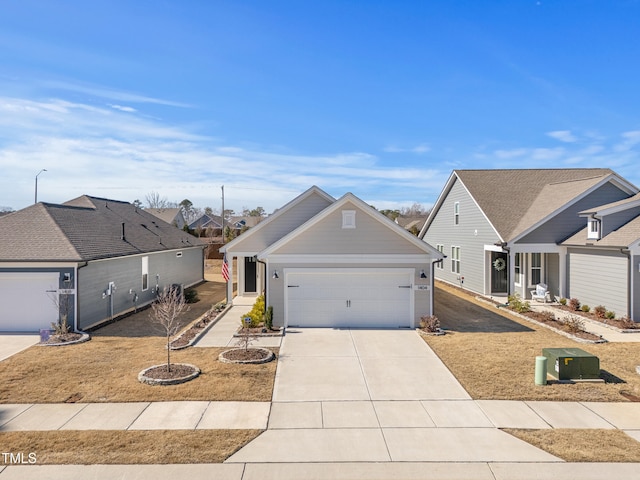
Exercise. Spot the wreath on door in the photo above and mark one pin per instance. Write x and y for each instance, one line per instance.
(499, 264)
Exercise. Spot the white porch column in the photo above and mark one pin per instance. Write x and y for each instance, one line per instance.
(512, 272)
(562, 272)
(230, 282)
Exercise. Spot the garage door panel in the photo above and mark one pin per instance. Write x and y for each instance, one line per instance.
(25, 305)
(347, 298)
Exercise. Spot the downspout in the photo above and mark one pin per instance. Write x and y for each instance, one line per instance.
(266, 303)
(625, 251)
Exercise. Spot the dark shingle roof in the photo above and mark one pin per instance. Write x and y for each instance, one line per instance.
(85, 228)
(515, 199)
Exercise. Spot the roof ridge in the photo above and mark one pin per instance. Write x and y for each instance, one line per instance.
(575, 180)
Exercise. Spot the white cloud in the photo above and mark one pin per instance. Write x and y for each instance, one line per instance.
(630, 140)
(418, 149)
(113, 151)
(123, 108)
(563, 135)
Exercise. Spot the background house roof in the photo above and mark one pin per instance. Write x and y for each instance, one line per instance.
(86, 228)
(168, 215)
(624, 236)
(516, 199)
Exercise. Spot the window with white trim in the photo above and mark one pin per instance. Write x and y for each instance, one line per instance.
(145, 273)
(456, 213)
(516, 264)
(593, 232)
(440, 265)
(536, 268)
(455, 260)
(348, 219)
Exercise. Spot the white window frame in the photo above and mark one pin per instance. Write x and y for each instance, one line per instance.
(440, 248)
(593, 230)
(145, 273)
(456, 213)
(455, 259)
(532, 268)
(348, 219)
(517, 269)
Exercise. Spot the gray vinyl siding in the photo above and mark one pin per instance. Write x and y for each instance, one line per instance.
(635, 313)
(616, 220)
(471, 234)
(369, 237)
(568, 222)
(422, 298)
(599, 277)
(269, 231)
(126, 273)
(552, 273)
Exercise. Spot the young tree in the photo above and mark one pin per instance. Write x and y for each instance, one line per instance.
(166, 312)
(154, 200)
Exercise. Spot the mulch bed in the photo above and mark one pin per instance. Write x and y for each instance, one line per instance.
(194, 330)
(163, 373)
(591, 315)
(558, 325)
(62, 338)
(245, 355)
(258, 332)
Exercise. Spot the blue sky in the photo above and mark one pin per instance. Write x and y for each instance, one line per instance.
(380, 98)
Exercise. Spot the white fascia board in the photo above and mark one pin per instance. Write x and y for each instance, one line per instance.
(281, 211)
(350, 258)
(365, 208)
(536, 248)
(494, 248)
(609, 178)
(611, 210)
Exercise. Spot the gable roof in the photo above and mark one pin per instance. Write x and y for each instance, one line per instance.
(516, 200)
(362, 206)
(614, 207)
(205, 221)
(168, 215)
(86, 228)
(275, 226)
(623, 237)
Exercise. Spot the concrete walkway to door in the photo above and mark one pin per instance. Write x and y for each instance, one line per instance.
(374, 396)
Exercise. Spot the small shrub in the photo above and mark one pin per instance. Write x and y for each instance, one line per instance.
(574, 303)
(546, 316)
(610, 315)
(600, 311)
(430, 323)
(256, 314)
(516, 304)
(563, 301)
(627, 323)
(60, 328)
(220, 306)
(191, 295)
(268, 318)
(574, 323)
(585, 308)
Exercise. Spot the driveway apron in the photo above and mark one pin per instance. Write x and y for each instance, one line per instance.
(360, 395)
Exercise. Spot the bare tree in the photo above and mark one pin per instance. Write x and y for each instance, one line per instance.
(415, 210)
(166, 312)
(154, 200)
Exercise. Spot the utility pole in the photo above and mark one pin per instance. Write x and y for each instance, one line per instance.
(36, 195)
(222, 214)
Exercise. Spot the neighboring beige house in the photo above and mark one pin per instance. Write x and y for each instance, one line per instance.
(173, 216)
(324, 262)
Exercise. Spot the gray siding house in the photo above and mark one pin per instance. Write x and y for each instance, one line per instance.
(505, 231)
(324, 262)
(90, 259)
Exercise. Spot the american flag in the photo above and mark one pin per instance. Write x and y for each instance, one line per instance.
(225, 268)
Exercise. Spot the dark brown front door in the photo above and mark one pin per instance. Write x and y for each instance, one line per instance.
(499, 272)
(249, 274)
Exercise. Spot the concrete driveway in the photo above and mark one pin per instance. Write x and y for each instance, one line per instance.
(10, 343)
(374, 396)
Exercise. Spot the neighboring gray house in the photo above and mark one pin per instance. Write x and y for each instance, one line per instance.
(334, 263)
(172, 216)
(504, 231)
(205, 221)
(101, 258)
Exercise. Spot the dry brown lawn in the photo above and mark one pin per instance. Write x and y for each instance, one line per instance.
(501, 366)
(583, 445)
(128, 447)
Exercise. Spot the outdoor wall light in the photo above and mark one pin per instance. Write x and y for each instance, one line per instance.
(422, 274)
(275, 274)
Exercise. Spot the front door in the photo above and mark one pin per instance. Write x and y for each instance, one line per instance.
(499, 272)
(250, 275)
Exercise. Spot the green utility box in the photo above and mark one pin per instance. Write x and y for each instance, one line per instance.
(571, 364)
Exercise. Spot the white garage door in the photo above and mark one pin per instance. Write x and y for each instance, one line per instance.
(24, 303)
(349, 298)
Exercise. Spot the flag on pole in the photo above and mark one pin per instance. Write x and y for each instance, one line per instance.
(225, 268)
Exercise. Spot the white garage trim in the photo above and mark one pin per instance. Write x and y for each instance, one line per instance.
(349, 297)
(350, 258)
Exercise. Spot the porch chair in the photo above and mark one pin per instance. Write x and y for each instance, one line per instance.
(540, 293)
